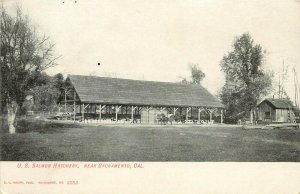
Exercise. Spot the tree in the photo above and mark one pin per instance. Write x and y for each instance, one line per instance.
(46, 96)
(24, 55)
(245, 79)
(197, 75)
(59, 82)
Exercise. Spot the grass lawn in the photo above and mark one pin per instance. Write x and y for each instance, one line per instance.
(57, 141)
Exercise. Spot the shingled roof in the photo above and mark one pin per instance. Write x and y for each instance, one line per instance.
(278, 103)
(105, 90)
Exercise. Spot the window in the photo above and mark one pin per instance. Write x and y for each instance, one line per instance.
(267, 115)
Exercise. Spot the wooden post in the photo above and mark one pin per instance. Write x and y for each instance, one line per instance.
(251, 116)
(148, 109)
(65, 104)
(210, 113)
(138, 109)
(221, 116)
(199, 114)
(82, 112)
(117, 110)
(83, 109)
(65, 101)
(255, 116)
(117, 113)
(148, 114)
(80, 108)
(175, 109)
(132, 114)
(74, 106)
(187, 113)
(132, 109)
(100, 112)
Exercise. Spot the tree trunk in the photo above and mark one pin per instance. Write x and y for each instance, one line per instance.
(251, 116)
(12, 108)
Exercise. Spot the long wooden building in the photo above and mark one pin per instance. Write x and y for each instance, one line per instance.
(104, 97)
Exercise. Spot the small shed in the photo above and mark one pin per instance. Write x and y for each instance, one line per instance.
(275, 110)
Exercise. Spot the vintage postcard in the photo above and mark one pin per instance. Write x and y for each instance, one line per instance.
(111, 96)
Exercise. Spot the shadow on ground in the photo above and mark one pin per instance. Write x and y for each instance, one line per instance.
(40, 126)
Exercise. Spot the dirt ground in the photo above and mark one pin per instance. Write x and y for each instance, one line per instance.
(59, 141)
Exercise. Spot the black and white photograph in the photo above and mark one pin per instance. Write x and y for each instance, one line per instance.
(117, 82)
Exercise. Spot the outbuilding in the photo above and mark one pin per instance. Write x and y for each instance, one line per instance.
(275, 110)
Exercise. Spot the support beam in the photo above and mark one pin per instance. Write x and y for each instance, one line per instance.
(211, 110)
(148, 109)
(69, 101)
(82, 112)
(66, 93)
(80, 108)
(74, 106)
(117, 110)
(65, 104)
(132, 109)
(199, 114)
(83, 109)
(162, 109)
(99, 110)
(188, 109)
(221, 116)
(175, 109)
(251, 116)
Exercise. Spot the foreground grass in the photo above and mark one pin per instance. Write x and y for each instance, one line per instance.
(49, 141)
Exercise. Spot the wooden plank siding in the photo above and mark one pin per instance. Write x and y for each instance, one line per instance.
(282, 115)
(274, 110)
(151, 117)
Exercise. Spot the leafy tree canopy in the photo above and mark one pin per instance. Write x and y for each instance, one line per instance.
(196, 77)
(24, 54)
(46, 96)
(245, 79)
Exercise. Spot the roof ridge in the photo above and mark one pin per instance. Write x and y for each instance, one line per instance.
(282, 99)
(177, 83)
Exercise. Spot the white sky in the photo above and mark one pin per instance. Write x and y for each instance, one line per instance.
(156, 40)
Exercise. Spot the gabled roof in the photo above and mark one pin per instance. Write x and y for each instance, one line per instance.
(92, 89)
(278, 103)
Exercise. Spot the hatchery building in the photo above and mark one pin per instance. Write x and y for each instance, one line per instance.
(105, 98)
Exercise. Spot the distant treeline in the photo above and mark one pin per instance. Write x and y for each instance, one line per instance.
(45, 96)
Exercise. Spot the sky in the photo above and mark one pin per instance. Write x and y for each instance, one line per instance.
(157, 40)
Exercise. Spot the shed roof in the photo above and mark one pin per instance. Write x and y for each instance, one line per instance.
(92, 89)
(279, 103)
